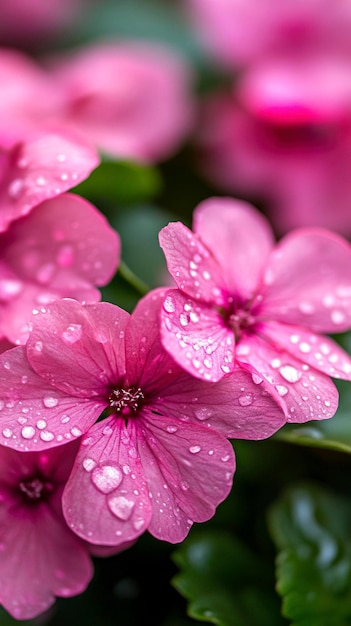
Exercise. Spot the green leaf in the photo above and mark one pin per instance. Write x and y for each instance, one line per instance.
(333, 433)
(224, 582)
(121, 182)
(311, 529)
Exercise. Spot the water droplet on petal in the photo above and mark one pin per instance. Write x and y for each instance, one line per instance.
(72, 333)
(107, 478)
(246, 399)
(290, 373)
(7, 432)
(15, 187)
(46, 435)
(38, 346)
(337, 317)
(9, 288)
(121, 507)
(282, 390)
(195, 449)
(169, 305)
(89, 464)
(28, 432)
(50, 401)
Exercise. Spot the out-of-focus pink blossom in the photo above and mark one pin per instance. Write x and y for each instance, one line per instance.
(131, 99)
(40, 556)
(40, 168)
(160, 459)
(238, 32)
(63, 248)
(24, 21)
(283, 135)
(240, 298)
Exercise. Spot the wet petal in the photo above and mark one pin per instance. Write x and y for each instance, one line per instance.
(305, 393)
(35, 415)
(321, 353)
(78, 349)
(192, 265)
(196, 337)
(234, 406)
(189, 469)
(308, 282)
(42, 168)
(239, 237)
(106, 499)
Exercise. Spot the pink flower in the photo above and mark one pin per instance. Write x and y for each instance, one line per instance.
(240, 299)
(63, 248)
(131, 99)
(40, 168)
(239, 32)
(284, 135)
(160, 459)
(40, 556)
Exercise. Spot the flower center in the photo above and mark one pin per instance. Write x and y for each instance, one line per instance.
(240, 321)
(126, 401)
(35, 489)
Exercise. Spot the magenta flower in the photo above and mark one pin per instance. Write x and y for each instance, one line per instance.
(63, 248)
(119, 115)
(238, 32)
(240, 299)
(283, 134)
(39, 168)
(40, 556)
(160, 459)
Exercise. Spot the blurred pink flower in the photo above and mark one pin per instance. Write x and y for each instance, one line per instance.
(239, 32)
(63, 248)
(242, 299)
(160, 459)
(40, 556)
(41, 167)
(24, 21)
(283, 135)
(131, 99)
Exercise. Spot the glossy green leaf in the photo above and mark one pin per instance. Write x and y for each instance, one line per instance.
(311, 529)
(224, 583)
(120, 182)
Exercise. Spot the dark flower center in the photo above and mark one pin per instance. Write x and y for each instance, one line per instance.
(126, 401)
(35, 489)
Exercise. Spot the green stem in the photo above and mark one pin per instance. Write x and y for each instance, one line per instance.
(132, 279)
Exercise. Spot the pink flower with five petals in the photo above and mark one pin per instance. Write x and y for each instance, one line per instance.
(160, 459)
(242, 299)
(40, 556)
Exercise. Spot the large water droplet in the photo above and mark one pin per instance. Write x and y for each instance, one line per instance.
(121, 507)
(195, 449)
(290, 373)
(107, 478)
(169, 305)
(72, 333)
(246, 399)
(50, 401)
(28, 432)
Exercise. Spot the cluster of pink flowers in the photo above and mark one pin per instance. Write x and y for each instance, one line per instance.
(115, 423)
(281, 131)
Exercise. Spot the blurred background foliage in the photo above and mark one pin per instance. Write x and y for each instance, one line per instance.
(278, 550)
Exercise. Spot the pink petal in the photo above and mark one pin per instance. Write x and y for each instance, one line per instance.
(193, 267)
(106, 500)
(318, 351)
(40, 559)
(36, 415)
(308, 282)
(234, 406)
(78, 349)
(239, 237)
(41, 169)
(196, 337)
(63, 248)
(305, 393)
(189, 469)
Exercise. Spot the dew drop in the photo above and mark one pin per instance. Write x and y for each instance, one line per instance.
(121, 507)
(7, 432)
(50, 402)
(106, 478)
(282, 390)
(15, 188)
(337, 317)
(41, 424)
(246, 399)
(169, 305)
(195, 449)
(72, 333)
(46, 435)
(38, 346)
(290, 373)
(89, 464)
(306, 307)
(28, 432)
